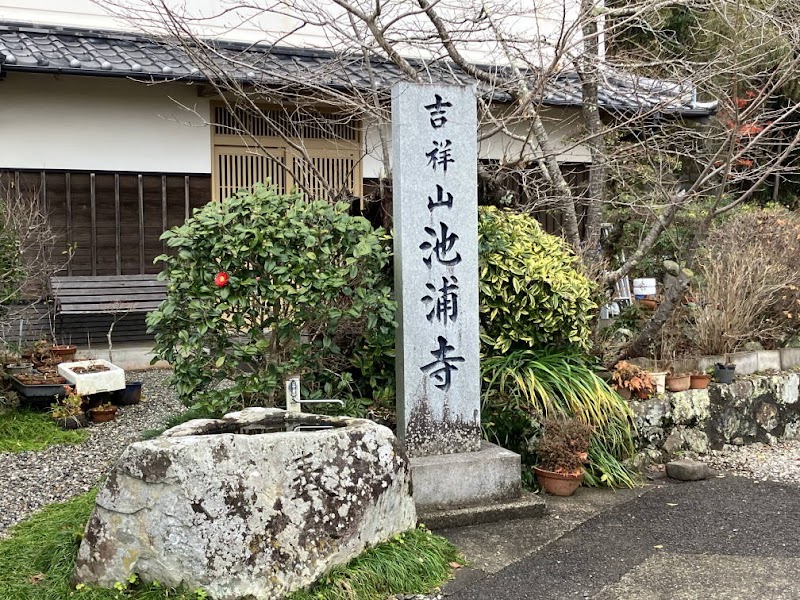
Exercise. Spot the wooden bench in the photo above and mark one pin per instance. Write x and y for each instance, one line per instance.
(107, 294)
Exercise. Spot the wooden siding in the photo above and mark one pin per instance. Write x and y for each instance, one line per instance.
(322, 159)
(114, 220)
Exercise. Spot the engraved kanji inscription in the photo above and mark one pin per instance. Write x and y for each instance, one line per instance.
(439, 156)
(443, 198)
(442, 246)
(443, 300)
(437, 111)
(442, 368)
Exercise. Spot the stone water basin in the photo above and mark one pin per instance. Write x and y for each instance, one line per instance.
(256, 504)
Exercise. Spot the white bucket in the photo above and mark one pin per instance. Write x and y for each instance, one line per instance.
(644, 287)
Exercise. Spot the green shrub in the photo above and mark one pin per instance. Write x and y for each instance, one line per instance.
(304, 284)
(532, 295)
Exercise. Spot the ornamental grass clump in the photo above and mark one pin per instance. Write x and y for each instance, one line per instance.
(263, 285)
(523, 388)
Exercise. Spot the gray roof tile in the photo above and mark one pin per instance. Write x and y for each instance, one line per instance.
(40, 48)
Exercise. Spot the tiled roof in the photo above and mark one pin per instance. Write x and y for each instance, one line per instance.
(85, 52)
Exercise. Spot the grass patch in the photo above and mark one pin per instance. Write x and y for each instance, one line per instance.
(37, 560)
(22, 430)
(414, 562)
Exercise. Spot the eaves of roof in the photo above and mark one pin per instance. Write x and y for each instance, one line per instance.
(52, 49)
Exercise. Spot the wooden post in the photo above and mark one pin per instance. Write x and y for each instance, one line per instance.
(163, 209)
(117, 227)
(43, 197)
(93, 212)
(186, 197)
(141, 224)
(68, 197)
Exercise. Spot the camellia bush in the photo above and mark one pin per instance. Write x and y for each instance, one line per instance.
(532, 295)
(262, 286)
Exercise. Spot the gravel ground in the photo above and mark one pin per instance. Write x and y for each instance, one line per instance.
(31, 480)
(779, 462)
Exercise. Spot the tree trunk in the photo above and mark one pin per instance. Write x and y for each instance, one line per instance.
(588, 71)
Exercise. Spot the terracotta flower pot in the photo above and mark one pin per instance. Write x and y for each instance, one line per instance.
(65, 351)
(700, 381)
(558, 484)
(102, 415)
(678, 383)
(648, 303)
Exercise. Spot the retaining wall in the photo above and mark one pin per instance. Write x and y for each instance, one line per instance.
(755, 408)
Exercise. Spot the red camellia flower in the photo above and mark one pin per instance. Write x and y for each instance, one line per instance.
(221, 278)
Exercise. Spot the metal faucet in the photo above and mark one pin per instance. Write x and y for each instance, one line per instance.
(293, 401)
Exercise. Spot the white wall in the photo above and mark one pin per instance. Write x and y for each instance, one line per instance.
(565, 131)
(71, 122)
(563, 126)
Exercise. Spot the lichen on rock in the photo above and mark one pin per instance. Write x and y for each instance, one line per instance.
(246, 515)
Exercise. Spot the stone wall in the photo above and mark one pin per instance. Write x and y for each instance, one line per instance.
(756, 408)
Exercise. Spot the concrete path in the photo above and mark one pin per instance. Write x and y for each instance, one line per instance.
(724, 538)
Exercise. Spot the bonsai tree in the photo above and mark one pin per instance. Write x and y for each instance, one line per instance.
(563, 446)
(631, 377)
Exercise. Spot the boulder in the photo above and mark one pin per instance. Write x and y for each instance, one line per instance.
(687, 470)
(223, 506)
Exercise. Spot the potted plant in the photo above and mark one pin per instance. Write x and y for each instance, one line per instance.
(64, 352)
(68, 413)
(678, 382)
(648, 303)
(103, 413)
(18, 368)
(724, 373)
(630, 379)
(699, 381)
(562, 450)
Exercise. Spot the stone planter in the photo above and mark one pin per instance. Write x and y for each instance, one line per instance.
(113, 378)
(678, 383)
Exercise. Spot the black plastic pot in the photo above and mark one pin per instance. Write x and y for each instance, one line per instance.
(724, 373)
(132, 394)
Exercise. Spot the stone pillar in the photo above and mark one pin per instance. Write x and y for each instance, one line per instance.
(434, 156)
